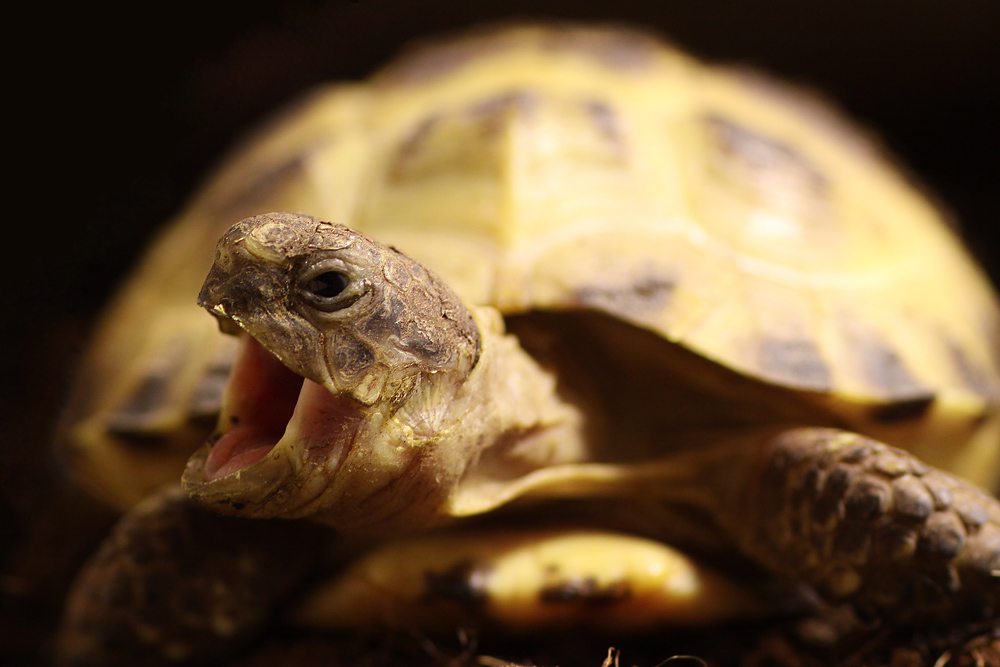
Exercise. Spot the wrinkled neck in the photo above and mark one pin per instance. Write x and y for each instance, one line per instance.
(500, 421)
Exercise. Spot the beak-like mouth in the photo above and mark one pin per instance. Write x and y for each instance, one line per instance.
(274, 425)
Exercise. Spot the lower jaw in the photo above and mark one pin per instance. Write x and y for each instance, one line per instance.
(251, 492)
(271, 476)
(252, 447)
(286, 437)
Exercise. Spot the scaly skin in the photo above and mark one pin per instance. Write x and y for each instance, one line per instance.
(176, 582)
(869, 524)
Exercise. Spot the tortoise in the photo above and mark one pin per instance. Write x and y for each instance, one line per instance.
(564, 328)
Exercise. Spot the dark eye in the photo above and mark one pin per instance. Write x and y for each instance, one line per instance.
(328, 288)
(328, 285)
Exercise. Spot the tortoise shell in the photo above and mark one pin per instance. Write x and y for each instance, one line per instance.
(562, 169)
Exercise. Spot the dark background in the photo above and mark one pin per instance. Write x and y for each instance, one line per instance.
(123, 111)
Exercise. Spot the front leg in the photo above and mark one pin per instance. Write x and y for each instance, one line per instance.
(175, 581)
(869, 524)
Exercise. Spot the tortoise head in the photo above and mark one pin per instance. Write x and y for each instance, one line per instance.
(344, 341)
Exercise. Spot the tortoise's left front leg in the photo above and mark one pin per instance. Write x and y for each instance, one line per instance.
(176, 582)
(869, 524)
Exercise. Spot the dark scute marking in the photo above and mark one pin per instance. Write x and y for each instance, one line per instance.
(630, 300)
(501, 102)
(902, 411)
(883, 368)
(135, 417)
(488, 116)
(410, 144)
(607, 122)
(465, 582)
(795, 361)
(493, 111)
(978, 379)
(207, 397)
(585, 590)
(764, 155)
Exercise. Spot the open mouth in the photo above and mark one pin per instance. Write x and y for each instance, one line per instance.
(259, 403)
(267, 406)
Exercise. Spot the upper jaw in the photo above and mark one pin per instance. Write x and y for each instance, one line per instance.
(227, 324)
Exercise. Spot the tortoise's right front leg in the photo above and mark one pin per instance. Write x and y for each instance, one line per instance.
(869, 524)
(175, 582)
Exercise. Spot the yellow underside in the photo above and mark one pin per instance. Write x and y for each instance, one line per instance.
(527, 582)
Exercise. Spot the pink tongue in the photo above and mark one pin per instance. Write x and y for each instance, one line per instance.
(238, 448)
